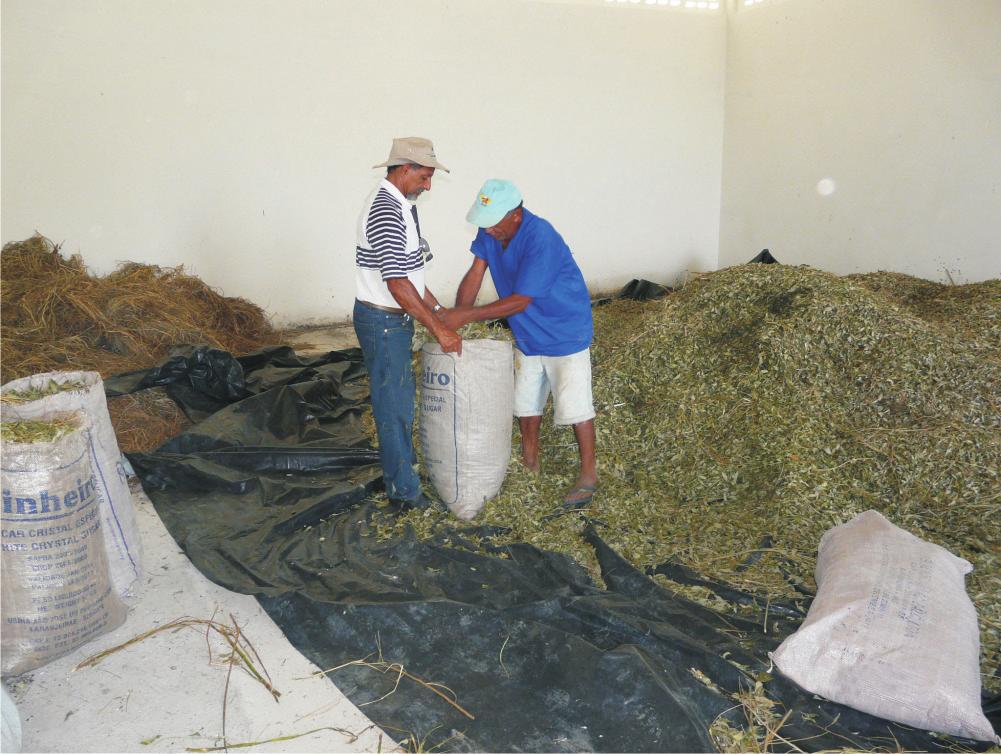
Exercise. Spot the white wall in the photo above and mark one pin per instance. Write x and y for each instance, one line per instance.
(898, 102)
(236, 136)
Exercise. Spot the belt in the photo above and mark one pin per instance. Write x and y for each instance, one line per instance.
(390, 309)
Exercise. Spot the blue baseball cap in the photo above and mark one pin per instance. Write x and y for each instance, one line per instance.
(496, 199)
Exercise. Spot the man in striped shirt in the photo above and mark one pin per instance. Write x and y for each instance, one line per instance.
(391, 294)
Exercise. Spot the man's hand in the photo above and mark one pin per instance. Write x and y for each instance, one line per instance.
(453, 319)
(460, 315)
(449, 340)
(417, 307)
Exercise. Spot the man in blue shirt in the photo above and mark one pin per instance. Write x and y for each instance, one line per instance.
(545, 300)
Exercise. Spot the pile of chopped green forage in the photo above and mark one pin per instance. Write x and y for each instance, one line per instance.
(760, 405)
(31, 431)
(35, 393)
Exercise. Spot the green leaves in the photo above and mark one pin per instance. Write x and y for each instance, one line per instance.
(773, 400)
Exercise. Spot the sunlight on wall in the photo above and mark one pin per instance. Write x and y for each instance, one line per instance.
(697, 4)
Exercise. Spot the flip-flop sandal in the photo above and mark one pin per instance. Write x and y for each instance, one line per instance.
(573, 506)
(572, 499)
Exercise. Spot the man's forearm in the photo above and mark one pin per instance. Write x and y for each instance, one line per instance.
(504, 307)
(414, 304)
(468, 289)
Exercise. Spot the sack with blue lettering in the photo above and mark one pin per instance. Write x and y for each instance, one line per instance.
(466, 410)
(891, 631)
(62, 392)
(57, 592)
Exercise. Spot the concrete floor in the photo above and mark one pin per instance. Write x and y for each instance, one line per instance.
(163, 694)
(315, 340)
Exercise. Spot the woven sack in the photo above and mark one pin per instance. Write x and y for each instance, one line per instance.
(121, 535)
(57, 592)
(891, 631)
(466, 409)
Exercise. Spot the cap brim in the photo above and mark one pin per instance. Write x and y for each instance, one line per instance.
(485, 217)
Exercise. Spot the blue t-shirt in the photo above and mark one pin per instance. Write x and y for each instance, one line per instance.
(538, 263)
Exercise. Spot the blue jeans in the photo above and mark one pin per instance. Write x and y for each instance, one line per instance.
(385, 340)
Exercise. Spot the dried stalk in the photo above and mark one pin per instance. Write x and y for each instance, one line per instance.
(382, 666)
(232, 635)
(352, 738)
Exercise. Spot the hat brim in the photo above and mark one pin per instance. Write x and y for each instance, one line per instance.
(426, 164)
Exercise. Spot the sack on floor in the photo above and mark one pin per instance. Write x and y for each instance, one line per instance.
(891, 631)
(466, 410)
(61, 392)
(57, 591)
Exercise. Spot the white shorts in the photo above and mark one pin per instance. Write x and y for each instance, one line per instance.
(568, 378)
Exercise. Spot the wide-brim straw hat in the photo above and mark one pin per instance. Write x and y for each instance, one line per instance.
(412, 150)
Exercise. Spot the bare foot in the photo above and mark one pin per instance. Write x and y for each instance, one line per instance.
(532, 465)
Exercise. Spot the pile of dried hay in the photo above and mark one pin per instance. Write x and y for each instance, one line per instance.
(145, 420)
(746, 414)
(57, 316)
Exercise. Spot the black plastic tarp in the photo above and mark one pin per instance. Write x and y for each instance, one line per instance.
(763, 257)
(269, 494)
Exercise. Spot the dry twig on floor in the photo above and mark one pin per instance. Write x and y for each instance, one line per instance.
(352, 737)
(382, 666)
(242, 655)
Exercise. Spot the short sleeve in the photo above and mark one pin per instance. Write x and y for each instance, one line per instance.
(479, 245)
(387, 233)
(541, 265)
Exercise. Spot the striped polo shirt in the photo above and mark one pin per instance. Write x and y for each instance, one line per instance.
(388, 246)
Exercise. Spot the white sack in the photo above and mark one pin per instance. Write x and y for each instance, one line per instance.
(891, 631)
(121, 536)
(466, 410)
(57, 594)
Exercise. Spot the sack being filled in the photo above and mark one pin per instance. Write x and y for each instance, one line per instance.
(466, 410)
